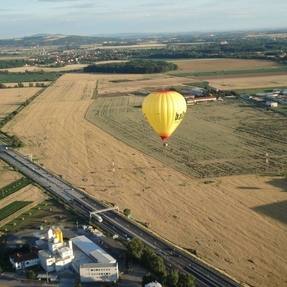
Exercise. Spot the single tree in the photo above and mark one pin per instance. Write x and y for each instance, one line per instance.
(127, 212)
(172, 278)
(135, 248)
(186, 280)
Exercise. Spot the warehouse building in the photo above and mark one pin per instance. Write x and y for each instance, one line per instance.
(92, 263)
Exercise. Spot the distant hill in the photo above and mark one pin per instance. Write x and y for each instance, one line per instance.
(56, 40)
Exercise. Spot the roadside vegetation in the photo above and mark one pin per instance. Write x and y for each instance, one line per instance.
(141, 253)
(14, 186)
(13, 140)
(132, 67)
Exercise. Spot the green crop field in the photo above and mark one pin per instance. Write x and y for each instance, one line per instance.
(14, 186)
(12, 208)
(28, 77)
(47, 213)
(4, 139)
(214, 139)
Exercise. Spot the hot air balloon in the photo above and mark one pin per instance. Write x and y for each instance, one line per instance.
(164, 110)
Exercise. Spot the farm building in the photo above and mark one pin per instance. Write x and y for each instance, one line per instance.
(191, 100)
(21, 260)
(194, 91)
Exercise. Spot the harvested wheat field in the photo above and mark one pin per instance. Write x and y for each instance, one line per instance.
(239, 139)
(210, 65)
(238, 83)
(7, 174)
(236, 223)
(10, 99)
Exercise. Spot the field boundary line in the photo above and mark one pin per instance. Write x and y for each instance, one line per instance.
(12, 139)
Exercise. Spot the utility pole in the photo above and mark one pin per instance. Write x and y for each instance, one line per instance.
(267, 158)
(266, 161)
(114, 172)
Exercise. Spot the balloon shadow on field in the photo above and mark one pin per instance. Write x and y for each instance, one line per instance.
(279, 183)
(249, 187)
(276, 210)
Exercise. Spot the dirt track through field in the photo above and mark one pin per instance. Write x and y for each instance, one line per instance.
(236, 223)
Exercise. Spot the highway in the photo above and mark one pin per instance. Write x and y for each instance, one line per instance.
(114, 222)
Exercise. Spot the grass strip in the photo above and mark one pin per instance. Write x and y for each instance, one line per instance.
(14, 186)
(12, 208)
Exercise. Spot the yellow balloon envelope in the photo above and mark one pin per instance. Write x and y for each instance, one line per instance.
(164, 110)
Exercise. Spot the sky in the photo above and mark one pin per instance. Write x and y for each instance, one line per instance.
(98, 17)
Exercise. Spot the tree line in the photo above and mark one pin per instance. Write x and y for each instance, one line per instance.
(133, 67)
(141, 253)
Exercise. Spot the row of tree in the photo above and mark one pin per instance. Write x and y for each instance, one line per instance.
(133, 67)
(144, 255)
(21, 85)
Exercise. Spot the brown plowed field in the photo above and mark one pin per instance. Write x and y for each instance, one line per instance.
(237, 223)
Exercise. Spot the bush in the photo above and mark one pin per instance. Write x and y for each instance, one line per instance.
(30, 274)
(135, 248)
(127, 212)
(186, 281)
(172, 278)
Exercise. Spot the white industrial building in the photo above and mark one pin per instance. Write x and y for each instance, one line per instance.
(92, 263)
(59, 255)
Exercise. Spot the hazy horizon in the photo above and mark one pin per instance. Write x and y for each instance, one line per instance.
(86, 17)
